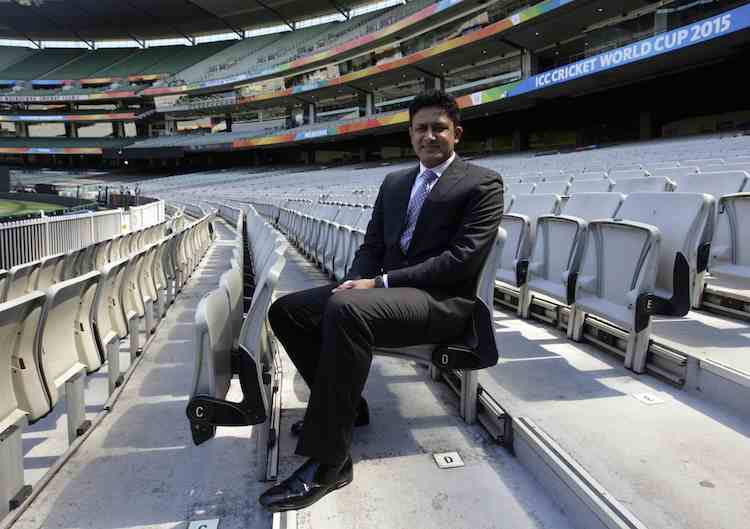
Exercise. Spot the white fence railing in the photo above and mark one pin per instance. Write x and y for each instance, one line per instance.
(146, 215)
(25, 241)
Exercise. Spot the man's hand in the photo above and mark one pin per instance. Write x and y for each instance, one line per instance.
(357, 284)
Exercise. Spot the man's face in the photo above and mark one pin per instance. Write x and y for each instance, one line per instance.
(433, 135)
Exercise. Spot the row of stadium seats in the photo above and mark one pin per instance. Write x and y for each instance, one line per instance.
(233, 338)
(116, 62)
(623, 258)
(43, 273)
(614, 257)
(265, 51)
(52, 338)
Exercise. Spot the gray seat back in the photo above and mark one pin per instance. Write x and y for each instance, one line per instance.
(67, 332)
(212, 370)
(19, 334)
(50, 271)
(19, 280)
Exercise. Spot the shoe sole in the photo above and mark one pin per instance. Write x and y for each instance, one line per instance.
(284, 508)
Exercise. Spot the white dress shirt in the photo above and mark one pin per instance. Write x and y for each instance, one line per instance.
(438, 170)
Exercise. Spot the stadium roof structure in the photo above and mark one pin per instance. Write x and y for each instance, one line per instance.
(140, 20)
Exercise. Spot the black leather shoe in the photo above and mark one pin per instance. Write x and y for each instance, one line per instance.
(362, 418)
(306, 485)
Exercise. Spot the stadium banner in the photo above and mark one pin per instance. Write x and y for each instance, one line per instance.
(43, 150)
(676, 39)
(692, 34)
(123, 116)
(65, 97)
(493, 29)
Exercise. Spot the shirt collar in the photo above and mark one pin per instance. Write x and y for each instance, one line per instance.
(439, 169)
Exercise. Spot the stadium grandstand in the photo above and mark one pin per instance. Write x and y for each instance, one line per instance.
(168, 169)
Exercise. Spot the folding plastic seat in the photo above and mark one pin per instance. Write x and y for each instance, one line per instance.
(326, 229)
(646, 184)
(520, 226)
(49, 272)
(108, 319)
(101, 254)
(644, 264)
(257, 370)
(556, 256)
(133, 308)
(730, 254)
(716, 184)
(599, 185)
(473, 351)
(147, 286)
(19, 323)
(729, 166)
(700, 163)
(346, 220)
(515, 189)
(627, 173)
(3, 284)
(19, 280)
(555, 188)
(355, 238)
(675, 171)
(231, 283)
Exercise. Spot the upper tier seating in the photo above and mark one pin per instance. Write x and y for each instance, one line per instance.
(89, 63)
(10, 55)
(35, 66)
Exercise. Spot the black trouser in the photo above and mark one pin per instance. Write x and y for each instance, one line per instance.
(330, 337)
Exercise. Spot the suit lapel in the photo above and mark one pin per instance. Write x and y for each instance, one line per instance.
(445, 183)
(399, 203)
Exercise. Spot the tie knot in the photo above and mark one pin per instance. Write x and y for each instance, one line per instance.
(429, 176)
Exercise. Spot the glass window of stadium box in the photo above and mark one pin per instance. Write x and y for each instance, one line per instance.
(494, 71)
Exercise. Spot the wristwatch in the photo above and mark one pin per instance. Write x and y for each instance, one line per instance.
(379, 282)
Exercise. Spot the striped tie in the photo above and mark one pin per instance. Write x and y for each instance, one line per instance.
(415, 206)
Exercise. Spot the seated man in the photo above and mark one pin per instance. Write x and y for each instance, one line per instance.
(412, 282)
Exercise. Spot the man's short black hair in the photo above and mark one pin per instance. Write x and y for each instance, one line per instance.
(435, 98)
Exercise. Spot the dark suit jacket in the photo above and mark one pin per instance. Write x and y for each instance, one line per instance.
(454, 233)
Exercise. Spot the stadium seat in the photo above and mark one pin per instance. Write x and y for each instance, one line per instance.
(556, 257)
(645, 262)
(132, 303)
(520, 226)
(476, 349)
(231, 283)
(599, 185)
(644, 184)
(108, 320)
(19, 280)
(3, 284)
(674, 172)
(256, 365)
(354, 239)
(337, 238)
(19, 321)
(558, 187)
(730, 259)
(716, 184)
(627, 173)
(49, 272)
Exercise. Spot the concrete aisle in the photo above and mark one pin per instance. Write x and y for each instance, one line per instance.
(139, 468)
(675, 461)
